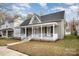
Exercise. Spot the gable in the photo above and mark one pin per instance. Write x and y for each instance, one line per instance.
(34, 20)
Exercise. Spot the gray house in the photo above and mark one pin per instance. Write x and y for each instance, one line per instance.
(48, 27)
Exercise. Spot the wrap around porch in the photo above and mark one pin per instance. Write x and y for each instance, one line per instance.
(42, 32)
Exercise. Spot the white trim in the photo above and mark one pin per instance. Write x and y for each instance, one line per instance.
(41, 32)
(44, 24)
(53, 29)
(32, 19)
(47, 31)
(38, 19)
(32, 32)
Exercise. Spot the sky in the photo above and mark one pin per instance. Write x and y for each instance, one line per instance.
(45, 8)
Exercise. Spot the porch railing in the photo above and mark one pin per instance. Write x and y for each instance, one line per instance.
(46, 37)
(38, 36)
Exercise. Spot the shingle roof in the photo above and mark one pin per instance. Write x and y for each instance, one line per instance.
(47, 18)
(53, 17)
(26, 22)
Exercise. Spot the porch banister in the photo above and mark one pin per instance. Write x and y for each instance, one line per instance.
(41, 31)
(32, 31)
(53, 29)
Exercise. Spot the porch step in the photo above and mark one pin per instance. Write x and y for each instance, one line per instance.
(24, 40)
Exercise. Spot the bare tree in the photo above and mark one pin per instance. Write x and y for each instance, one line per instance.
(41, 13)
(2, 17)
(29, 15)
(78, 14)
(73, 27)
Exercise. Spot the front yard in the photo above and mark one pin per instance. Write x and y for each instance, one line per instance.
(68, 46)
(5, 41)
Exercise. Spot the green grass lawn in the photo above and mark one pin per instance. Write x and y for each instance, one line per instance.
(5, 41)
(67, 46)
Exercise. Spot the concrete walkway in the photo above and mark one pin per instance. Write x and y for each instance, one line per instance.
(4, 51)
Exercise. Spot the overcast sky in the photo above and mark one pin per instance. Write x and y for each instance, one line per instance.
(46, 8)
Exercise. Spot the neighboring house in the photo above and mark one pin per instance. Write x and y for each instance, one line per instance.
(47, 27)
(10, 27)
(78, 30)
(68, 28)
(77, 27)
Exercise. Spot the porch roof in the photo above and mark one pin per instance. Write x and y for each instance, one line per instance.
(54, 17)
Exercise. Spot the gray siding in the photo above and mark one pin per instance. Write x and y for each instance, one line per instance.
(78, 30)
(60, 29)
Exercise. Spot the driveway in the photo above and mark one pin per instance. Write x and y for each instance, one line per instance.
(4, 51)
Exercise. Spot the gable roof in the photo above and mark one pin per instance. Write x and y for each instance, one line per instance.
(54, 17)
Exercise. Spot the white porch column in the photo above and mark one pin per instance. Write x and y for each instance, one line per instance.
(32, 31)
(14, 32)
(2, 33)
(20, 32)
(25, 31)
(6, 33)
(53, 29)
(41, 32)
(47, 31)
